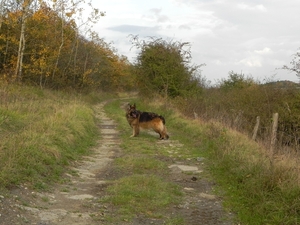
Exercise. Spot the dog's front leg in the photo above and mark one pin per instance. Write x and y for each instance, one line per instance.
(133, 132)
(137, 131)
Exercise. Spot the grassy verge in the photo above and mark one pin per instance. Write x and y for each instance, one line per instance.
(257, 191)
(41, 132)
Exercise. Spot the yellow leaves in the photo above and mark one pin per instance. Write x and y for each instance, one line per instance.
(40, 62)
(71, 13)
(39, 16)
(87, 80)
(13, 17)
(86, 74)
(72, 23)
(27, 3)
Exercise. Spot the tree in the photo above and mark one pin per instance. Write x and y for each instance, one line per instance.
(236, 81)
(162, 67)
(295, 64)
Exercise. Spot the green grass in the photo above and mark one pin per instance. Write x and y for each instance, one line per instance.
(142, 194)
(41, 131)
(255, 190)
(141, 164)
(143, 188)
(259, 192)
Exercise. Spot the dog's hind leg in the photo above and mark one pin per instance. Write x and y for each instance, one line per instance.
(162, 131)
(163, 134)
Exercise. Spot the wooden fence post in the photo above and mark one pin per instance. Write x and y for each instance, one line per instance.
(274, 133)
(195, 115)
(256, 128)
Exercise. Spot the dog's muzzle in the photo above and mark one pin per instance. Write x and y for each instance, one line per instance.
(133, 114)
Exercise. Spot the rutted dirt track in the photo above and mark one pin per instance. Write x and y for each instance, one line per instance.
(76, 201)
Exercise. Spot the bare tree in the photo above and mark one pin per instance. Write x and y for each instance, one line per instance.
(295, 64)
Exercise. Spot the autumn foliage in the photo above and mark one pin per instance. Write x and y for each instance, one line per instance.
(53, 52)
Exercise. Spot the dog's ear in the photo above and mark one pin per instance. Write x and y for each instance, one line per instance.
(134, 106)
(129, 106)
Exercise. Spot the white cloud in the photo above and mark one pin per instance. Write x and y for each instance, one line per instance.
(219, 62)
(185, 27)
(264, 51)
(155, 15)
(251, 62)
(259, 7)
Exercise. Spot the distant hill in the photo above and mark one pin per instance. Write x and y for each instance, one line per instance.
(284, 84)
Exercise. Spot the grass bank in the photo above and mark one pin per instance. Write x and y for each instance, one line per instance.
(41, 132)
(261, 189)
(257, 188)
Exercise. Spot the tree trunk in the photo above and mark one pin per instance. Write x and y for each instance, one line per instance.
(18, 72)
(59, 51)
(1, 12)
(19, 66)
(62, 41)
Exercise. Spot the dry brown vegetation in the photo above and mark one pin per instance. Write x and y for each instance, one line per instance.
(238, 108)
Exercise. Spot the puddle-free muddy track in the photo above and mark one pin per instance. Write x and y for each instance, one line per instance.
(76, 201)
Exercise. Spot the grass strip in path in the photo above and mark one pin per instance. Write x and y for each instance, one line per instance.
(147, 185)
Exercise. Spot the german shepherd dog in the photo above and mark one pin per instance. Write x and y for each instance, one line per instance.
(145, 120)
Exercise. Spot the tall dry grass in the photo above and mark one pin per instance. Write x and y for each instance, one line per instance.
(41, 132)
(260, 187)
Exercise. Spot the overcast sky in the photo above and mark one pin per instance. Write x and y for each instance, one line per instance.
(252, 36)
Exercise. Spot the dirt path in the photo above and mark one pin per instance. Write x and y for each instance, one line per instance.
(75, 201)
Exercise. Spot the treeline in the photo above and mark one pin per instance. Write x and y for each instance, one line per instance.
(44, 45)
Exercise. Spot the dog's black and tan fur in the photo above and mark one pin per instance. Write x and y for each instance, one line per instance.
(145, 120)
